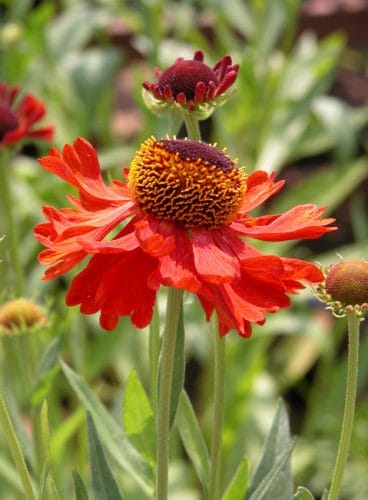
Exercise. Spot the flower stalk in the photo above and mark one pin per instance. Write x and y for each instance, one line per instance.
(192, 125)
(349, 410)
(218, 411)
(154, 354)
(167, 360)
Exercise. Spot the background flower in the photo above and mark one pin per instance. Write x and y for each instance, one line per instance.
(177, 191)
(18, 119)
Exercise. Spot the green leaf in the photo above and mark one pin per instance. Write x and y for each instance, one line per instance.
(303, 493)
(73, 28)
(239, 483)
(271, 486)
(103, 482)
(111, 435)
(271, 467)
(138, 418)
(46, 446)
(193, 440)
(179, 369)
(46, 371)
(79, 487)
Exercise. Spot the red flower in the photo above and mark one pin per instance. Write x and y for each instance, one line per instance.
(17, 120)
(178, 221)
(191, 83)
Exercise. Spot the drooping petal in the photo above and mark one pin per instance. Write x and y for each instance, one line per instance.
(214, 264)
(115, 285)
(177, 268)
(151, 239)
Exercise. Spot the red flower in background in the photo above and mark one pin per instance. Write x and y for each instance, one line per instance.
(179, 221)
(19, 119)
(191, 83)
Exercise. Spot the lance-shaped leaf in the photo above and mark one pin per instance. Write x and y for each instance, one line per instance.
(111, 435)
(103, 482)
(278, 444)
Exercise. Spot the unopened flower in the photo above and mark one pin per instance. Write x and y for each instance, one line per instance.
(19, 117)
(192, 85)
(345, 288)
(179, 221)
(21, 314)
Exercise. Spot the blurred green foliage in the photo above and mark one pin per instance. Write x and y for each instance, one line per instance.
(70, 54)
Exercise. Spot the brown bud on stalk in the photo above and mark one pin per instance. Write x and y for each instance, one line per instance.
(345, 288)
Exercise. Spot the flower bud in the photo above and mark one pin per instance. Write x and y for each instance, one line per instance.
(21, 314)
(347, 282)
(346, 287)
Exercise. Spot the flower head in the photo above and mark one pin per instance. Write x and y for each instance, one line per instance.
(179, 221)
(191, 84)
(20, 315)
(18, 119)
(346, 287)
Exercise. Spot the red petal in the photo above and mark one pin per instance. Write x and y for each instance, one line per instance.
(177, 269)
(116, 285)
(260, 187)
(151, 239)
(302, 221)
(214, 264)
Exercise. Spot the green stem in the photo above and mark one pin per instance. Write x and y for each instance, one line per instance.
(193, 132)
(11, 230)
(349, 410)
(167, 360)
(218, 410)
(16, 450)
(192, 125)
(154, 353)
(25, 345)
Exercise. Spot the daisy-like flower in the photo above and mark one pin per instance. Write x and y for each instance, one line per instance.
(179, 221)
(19, 119)
(192, 85)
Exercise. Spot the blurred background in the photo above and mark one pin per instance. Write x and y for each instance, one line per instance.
(300, 109)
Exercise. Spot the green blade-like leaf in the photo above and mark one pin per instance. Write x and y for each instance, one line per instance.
(138, 418)
(79, 487)
(193, 440)
(303, 493)
(272, 485)
(111, 435)
(46, 447)
(239, 483)
(278, 444)
(46, 371)
(178, 370)
(103, 482)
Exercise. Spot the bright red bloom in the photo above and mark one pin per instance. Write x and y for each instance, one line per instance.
(178, 221)
(191, 83)
(18, 119)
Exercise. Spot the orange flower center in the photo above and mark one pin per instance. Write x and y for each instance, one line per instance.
(8, 120)
(183, 76)
(188, 182)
